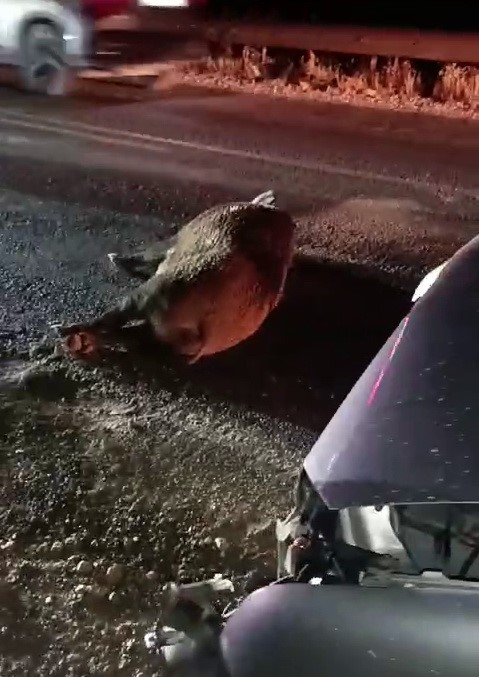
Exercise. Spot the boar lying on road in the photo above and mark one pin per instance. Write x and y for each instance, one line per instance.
(213, 284)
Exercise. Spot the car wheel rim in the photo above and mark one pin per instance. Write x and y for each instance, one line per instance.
(44, 59)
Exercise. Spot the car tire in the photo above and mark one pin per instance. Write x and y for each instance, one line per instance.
(43, 68)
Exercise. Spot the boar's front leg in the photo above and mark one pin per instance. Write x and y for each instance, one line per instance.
(111, 320)
(132, 307)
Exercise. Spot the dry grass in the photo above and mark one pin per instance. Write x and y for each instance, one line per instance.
(395, 78)
(458, 83)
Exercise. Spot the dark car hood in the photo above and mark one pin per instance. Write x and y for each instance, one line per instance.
(408, 432)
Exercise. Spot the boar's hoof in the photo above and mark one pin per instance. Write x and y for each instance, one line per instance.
(82, 345)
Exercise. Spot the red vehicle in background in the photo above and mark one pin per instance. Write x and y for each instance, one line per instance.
(94, 11)
(102, 9)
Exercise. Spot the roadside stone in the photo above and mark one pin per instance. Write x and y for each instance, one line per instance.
(71, 542)
(115, 574)
(84, 567)
(43, 549)
(13, 576)
(221, 544)
(125, 630)
(128, 544)
(81, 589)
(115, 598)
(57, 549)
(95, 599)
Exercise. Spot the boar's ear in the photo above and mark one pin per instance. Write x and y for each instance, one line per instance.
(134, 266)
(143, 263)
(267, 199)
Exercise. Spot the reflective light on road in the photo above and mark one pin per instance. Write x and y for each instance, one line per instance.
(8, 138)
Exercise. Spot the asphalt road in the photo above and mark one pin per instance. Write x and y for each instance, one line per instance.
(178, 454)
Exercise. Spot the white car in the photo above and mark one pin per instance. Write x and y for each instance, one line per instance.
(46, 41)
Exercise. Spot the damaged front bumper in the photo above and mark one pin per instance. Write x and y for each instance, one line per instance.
(188, 642)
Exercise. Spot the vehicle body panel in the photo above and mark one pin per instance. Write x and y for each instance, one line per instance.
(294, 630)
(102, 9)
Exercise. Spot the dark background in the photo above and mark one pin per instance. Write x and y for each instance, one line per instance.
(457, 16)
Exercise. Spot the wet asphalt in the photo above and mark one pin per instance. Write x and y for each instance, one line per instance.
(212, 449)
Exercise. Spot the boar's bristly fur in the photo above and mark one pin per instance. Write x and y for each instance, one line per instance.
(214, 283)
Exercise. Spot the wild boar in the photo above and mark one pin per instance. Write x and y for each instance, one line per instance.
(212, 285)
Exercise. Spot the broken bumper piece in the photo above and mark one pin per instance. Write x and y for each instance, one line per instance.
(188, 642)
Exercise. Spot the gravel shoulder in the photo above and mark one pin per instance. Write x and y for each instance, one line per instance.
(140, 463)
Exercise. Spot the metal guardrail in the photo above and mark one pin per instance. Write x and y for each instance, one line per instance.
(355, 40)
